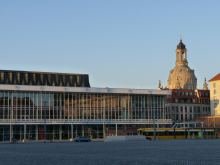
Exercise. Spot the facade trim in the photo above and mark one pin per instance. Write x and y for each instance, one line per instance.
(83, 89)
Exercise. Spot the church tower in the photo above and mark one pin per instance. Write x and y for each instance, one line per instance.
(182, 77)
(181, 56)
(205, 85)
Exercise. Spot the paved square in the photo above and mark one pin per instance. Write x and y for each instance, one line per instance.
(174, 152)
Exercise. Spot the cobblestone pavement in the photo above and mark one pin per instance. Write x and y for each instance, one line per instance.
(173, 152)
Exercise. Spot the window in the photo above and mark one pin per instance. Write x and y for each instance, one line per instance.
(190, 109)
(214, 91)
(2, 76)
(215, 104)
(181, 109)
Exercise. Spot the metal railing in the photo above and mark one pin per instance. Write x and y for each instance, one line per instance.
(83, 121)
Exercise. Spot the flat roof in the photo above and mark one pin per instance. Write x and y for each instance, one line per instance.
(83, 89)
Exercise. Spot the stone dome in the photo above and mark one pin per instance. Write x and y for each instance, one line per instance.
(182, 77)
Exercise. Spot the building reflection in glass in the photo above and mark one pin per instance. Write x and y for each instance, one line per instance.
(80, 106)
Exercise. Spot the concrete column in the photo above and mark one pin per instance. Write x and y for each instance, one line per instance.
(20, 129)
(68, 131)
(45, 132)
(25, 132)
(71, 129)
(76, 130)
(60, 132)
(11, 133)
(53, 132)
(104, 131)
(83, 130)
(116, 129)
(97, 131)
(36, 132)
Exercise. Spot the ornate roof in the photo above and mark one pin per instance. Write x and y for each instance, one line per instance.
(181, 45)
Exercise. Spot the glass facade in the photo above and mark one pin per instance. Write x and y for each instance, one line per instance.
(57, 106)
(53, 115)
(29, 106)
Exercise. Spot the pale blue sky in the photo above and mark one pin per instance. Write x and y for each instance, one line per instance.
(119, 43)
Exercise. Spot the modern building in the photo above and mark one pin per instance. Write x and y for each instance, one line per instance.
(215, 94)
(186, 102)
(58, 106)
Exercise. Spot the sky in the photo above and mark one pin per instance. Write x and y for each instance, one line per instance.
(119, 43)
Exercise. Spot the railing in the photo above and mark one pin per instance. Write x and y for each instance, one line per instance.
(83, 121)
(189, 124)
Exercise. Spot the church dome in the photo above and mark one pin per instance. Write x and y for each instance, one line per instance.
(182, 77)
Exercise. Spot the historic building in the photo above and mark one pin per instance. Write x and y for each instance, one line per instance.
(213, 120)
(58, 106)
(186, 103)
(215, 94)
(182, 77)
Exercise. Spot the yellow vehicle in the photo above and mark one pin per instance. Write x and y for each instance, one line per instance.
(177, 133)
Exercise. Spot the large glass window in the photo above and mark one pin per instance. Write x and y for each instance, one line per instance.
(79, 106)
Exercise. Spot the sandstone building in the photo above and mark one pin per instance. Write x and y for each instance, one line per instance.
(182, 77)
(186, 103)
(215, 94)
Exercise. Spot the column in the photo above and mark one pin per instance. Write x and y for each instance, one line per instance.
(76, 130)
(103, 131)
(97, 132)
(11, 133)
(36, 132)
(53, 131)
(20, 130)
(116, 129)
(60, 132)
(82, 130)
(24, 133)
(72, 131)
